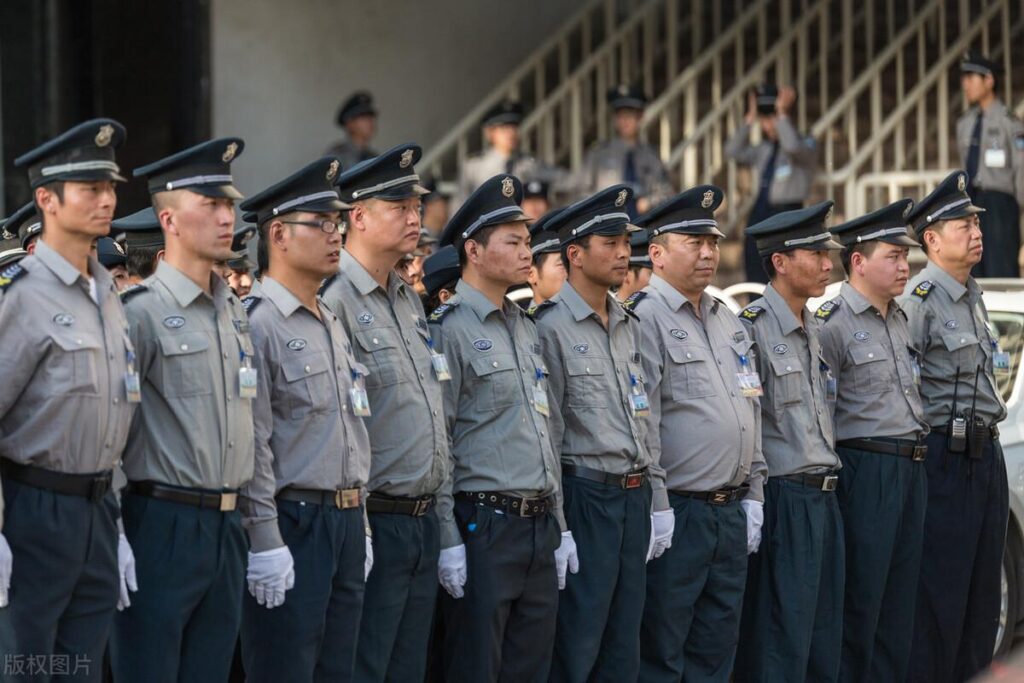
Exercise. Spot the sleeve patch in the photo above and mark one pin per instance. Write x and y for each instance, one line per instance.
(923, 290)
(633, 300)
(751, 313)
(441, 311)
(10, 274)
(536, 309)
(826, 310)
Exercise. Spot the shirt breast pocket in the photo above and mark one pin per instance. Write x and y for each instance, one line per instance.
(788, 383)
(587, 384)
(75, 363)
(382, 356)
(184, 370)
(308, 387)
(963, 350)
(872, 370)
(690, 373)
(497, 384)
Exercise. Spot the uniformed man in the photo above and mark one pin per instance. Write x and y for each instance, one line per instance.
(536, 198)
(784, 161)
(65, 411)
(24, 225)
(880, 430)
(591, 348)
(505, 547)
(501, 130)
(791, 627)
(358, 116)
(191, 446)
(547, 272)
(304, 502)
(435, 206)
(958, 595)
(441, 272)
(111, 256)
(704, 428)
(143, 241)
(239, 267)
(625, 158)
(991, 143)
(640, 266)
(409, 464)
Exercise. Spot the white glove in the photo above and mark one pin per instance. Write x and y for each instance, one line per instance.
(369, 558)
(126, 568)
(6, 561)
(566, 558)
(451, 570)
(663, 525)
(755, 518)
(270, 574)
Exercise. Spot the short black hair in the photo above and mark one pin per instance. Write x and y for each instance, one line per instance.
(481, 237)
(769, 267)
(583, 242)
(434, 300)
(866, 248)
(538, 258)
(56, 187)
(141, 261)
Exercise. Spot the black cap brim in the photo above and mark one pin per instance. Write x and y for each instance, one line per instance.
(394, 194)
(216, 191)
(962, 212)
(900, 241)
(83, 177)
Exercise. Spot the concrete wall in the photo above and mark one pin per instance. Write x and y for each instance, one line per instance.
(281, 68)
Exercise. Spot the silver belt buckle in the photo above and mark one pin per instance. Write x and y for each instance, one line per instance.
(830, 482)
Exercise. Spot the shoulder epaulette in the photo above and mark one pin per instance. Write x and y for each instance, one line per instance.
(534, 311)
(326, 284)
(826, 310)
(923, 289)
(750, 313)
(441, 311)
(633, 300)
(10, 274)
(251, 302)
(128, 292)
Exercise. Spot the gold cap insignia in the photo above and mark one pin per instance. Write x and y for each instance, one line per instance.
(961, 183)
(406, 159)
(708, 200)
(105, 135)
(508, 188)
(621, 199)
(229, 152)
(332, 170)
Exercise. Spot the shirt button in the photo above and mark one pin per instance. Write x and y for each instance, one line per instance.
(306, 368)
(225, 355)
(376, 341)
(743, 429)
(231, 444)
(110, 356)
(421, 376)
(789, 368)
(79, 341)
(495, 364)
(115, 401)
(962, 340)
(588, 371)
(689, 355)
(108, 444)
(435, 413)
(871, 355)
(184, 347)
(344, 406)
(542, 433)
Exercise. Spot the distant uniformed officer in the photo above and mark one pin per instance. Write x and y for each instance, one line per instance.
(784, 161)
(65, 411)
(191, 445)
(358, 116)
(110, 254)
(24, 225)
(547, 272)
(441, 272)
(625, 158)
(143, 241)
(791, 628)
(502, 522)
(880, 430)
(640, 266)
(536, 198)
(591, 346)
(239, 266)
(384, 319)
(304, 502)
(501, 129)
(991, 143)
(958, 594)
(705, 430)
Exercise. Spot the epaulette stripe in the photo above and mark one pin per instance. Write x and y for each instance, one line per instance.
(441, 311)
(129, 292)
(751, 313)
(826, 310)
(536, 309)
(633, 299)
(923, 289)
(10, 274)
(250, 302)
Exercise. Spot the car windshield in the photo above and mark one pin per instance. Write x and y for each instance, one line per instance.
(1010, 327)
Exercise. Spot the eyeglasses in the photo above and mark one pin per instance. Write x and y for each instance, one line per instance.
(329, 227)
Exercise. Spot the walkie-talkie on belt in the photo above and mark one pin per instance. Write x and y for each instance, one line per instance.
(978, 437)
(956, 432)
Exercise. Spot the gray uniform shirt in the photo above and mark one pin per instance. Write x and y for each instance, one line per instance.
(490, 163)
(193, 428)
(1001, 150)
(390, 337)
(591, 374)
(949, 325)
(500, 442)
(874, 361)
(702, 431)
(307, 435)
(63, 406)
(796, 416)
(794, 162)
(605, 165)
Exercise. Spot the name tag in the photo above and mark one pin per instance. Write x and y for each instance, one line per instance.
(1001, 362)
(247, 382)
(748, 380)
(638, 400)
(357, 395)
(132, 387)
(440, 363)
(995, 158)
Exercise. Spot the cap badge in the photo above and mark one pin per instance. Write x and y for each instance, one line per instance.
(623, 90)
(621, 199)
(332, 170)
(229, 152)
(507, 187)
(406, 159)
(961, 182)
(708, 200)
(105, 135)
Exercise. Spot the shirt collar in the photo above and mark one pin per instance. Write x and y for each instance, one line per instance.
(181, 287)
(676, 300)
(954, 289)
(361, 277)
(475, 300)
(59, 265)
(857, 302)
(581, 310)
(787, 321)
(280, 295)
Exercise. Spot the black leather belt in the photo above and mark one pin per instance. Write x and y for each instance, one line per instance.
(513, 505)
(717, 497)
(342, 499)
(826, 481)
(225, 501)
(91, 486)
(993, 430)
(905, 448)
(416, 507)
(629, 480)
